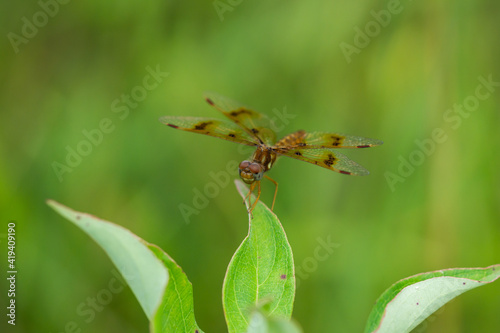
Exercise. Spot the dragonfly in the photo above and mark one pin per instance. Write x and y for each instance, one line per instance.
(251, 128)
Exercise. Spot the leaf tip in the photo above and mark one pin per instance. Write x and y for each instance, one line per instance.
(241, 188)
(53, 204)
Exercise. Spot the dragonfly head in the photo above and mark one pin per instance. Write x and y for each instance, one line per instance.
(251, 171)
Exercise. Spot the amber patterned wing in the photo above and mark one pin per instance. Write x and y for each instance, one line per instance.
(317, 140)
(214, 127)
(326, 158)
(253, 123)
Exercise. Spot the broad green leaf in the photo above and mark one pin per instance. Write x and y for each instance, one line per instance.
(159, 285)
(410, 301)
(175, 313)
(259, 323)
(144, 273)
(261, 270)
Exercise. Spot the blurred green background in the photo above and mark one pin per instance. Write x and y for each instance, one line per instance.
(399, 85)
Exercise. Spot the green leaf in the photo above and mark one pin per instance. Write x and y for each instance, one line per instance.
(410, 301)
(159, 285)
(259, 323)
(261, 270)
(175, 313)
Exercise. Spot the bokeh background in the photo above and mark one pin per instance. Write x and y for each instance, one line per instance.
(79, 65)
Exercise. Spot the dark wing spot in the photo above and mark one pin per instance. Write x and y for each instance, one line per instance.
(283, 276)
(337, 140)
(232, 135)
(238, 112)
(345, 172)
(298, 153)
(172, 125)
(209, 101)
(417, 303)
(255, 131)
(78, 217)
(201, 126)
(331, 160)
(364, 146)
(302, 144)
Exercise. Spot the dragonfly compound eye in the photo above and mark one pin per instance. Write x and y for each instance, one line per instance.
(255, 168)
(244, 164)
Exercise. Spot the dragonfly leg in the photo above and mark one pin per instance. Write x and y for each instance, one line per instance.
(275, 191)
(256, 200)
(248, 195)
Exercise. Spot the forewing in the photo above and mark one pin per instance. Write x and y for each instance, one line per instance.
(209, 126)
(252, 122)
(326, 158)
(316, 140)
